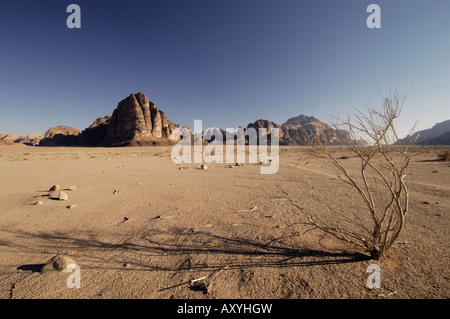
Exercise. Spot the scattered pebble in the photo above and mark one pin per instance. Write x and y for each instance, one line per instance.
(63, 196)
(53, 195)
(39, 203)
(248, 210)
(54, 188)
(72, 206)
(73, 188)
(204, 166)
(426, 203)
(58, 262)
(116, 191)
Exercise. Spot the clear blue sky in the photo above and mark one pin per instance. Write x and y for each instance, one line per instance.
(227, 62)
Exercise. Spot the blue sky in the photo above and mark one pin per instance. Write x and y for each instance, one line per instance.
(227, 62)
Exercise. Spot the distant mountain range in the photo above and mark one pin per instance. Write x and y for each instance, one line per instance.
(300, 130)
(439, 134)
(137, 122)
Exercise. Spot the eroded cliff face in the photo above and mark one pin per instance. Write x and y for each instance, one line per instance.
(135, 121)
(137, 118)
(300, 130)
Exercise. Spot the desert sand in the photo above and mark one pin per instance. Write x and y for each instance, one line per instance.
(140, 227)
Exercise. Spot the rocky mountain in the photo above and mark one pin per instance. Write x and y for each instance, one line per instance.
(300, 120)
(267, 125)
(135, 121)
(30, 139)
(300, 130)
(304, 130)
(443, 139)
(60, 135)
(437, 135)
(61, 130)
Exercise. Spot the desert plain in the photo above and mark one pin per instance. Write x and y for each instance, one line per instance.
(139, 227)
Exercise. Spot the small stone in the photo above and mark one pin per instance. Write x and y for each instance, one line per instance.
(59, 263)
(72, 206)
(63, 196)
(54, 188)
(204, 166)
(73, 188)
(53, 195)
(39, 203)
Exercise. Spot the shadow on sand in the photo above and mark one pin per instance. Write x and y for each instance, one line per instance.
(157, 246)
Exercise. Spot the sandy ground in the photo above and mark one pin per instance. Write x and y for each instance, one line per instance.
(142, 228)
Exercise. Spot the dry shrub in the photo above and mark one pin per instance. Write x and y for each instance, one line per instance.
(444, 156)
(379, 183)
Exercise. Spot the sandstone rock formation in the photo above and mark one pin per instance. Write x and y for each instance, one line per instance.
(135, 121)
(9, 137)
(95, 134)
(30, 139)
(265, 124)
(300, 130)
(60, 135)
(306, 130)
(61, 130)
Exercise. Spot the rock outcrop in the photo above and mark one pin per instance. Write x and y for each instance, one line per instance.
(95, 134)
(61, 130)
(307, 130)
(138, 119)
(437, 135)
(60, 135)
(265, 124)
(135, 121)
(443, 139)
(57, 263)
(300, 130)
(30, 139)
